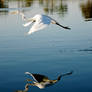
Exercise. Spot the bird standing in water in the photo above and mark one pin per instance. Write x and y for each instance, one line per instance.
(42, 81)
(40, 21)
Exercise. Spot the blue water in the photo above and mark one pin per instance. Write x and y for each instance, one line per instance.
(51, 51)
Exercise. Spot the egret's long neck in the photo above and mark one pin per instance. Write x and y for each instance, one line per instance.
(23, 16)
(26, 19)
(62, 75)
(26, 87)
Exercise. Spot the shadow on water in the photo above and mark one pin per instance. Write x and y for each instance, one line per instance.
(86, 9)
(41, 81)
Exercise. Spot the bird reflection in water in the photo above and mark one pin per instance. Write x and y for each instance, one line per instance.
(41, 81)
(25, 90)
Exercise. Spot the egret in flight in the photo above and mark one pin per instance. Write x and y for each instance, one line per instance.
(40, 22)
(42, 81)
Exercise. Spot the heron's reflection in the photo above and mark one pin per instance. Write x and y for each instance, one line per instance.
(41, 81)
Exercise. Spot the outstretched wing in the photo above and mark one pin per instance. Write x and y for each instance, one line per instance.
(53, 21)
(41, 21)
(37, 26)
(39, 78)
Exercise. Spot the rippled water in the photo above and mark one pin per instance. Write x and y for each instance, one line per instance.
(51, 51)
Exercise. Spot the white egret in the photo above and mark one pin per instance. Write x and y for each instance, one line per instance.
(40, 22)
(42, 81)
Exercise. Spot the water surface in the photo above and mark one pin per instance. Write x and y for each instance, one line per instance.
(51, 51)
